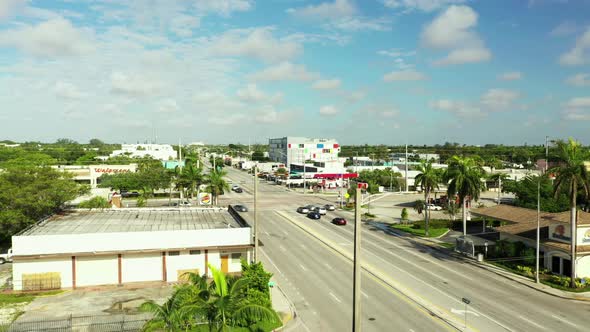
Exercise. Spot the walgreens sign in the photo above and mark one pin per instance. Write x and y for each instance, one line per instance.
(111, 170)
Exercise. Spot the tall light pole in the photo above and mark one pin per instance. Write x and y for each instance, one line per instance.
(356, 291)
(546, 153)
(406, 167)
(255, 214)
(538, 229)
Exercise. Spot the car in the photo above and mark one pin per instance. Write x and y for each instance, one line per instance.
(239, 190)
(339, 221)
(240, 208)
(125, 193)
(234, 187)
(7, 257)
(303, 209)
(433, 207)
(320, 209)
(330, 207)
(184, 203)
(314, 215)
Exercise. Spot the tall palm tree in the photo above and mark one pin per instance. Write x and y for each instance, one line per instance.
(194, 176)
(216, 184)
(573, 178)
(464, 178)
(428, 180)
(167, 316)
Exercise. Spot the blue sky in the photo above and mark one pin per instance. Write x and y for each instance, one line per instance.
(221, 71)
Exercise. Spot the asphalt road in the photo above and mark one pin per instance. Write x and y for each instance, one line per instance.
(434, 279)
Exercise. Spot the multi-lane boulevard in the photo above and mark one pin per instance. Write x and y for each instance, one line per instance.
(406, 285)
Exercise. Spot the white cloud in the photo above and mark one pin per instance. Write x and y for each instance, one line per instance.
(257, 43)
(183, 25)
(326, 84)
(406, 75)
(355, 96)
(8, 7)
(333, 10)
(499, 100)
(577, 109)
(223, 7)
(51, 38)
(580, 53)
(395, 53)
(460, 109)
(422, 5)
(68, 91)
(579, 80)
(361, 23)
(564, 29)
(510, 76)
(269, 115)
(168, 106)
(453, 30)
(251, 93)
(133, 86)
(328, 110)
(284, 71)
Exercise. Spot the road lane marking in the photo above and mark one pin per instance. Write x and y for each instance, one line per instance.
(285, 232)
(565, 321)
(265, 232)
(270, 260)
(328, 266)
(335, 298)
(282, 248)
(532, 323)
(365, 295)
(462, 312)
(303, 267)
(303, 246)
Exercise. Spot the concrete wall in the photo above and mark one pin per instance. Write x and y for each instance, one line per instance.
(141, 267)
(583, 266)
(184, 261)
(63, 266)
(97, 270)
(127, 241)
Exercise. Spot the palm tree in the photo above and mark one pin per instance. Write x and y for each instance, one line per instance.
(216, 184)
(428, 179)
(419, 206)
(464, 177)
(194, 176)
(571, 176)
(168, 316)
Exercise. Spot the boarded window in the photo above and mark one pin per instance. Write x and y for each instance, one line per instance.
(195, 252)
(173, 253)
(41, 281)
(184, 275)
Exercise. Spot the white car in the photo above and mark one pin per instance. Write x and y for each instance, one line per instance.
(185, 203)
(433, 207)
(330, 207)
(320, 209)
(7, 257)
(234, 187)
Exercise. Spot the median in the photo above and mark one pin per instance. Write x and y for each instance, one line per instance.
(437, 228)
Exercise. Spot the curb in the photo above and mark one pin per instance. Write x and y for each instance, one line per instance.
(292, 315)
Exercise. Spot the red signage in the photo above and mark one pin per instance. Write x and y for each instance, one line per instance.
(111, 170)
(363, 185)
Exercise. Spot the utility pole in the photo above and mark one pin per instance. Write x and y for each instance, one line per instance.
(546, 153)
(538, 229)
(406, 167)
(256, 214)
(356, 292)
(499, 188)
(304, 156)
(180, 166)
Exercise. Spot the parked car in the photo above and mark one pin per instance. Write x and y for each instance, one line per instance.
(330, 207)
(240, 208)
(184, 203)
(433, 207)
(303, 209)
(314, 215)
(125, 193)
(7, 257)
(239, 190)
(320, 209)
(339, 221)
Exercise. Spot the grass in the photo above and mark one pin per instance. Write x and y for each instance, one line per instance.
(260, 326)
(434, 232)
(6, 299)
(447, 245)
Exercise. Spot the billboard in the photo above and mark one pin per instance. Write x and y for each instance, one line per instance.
(205, 199)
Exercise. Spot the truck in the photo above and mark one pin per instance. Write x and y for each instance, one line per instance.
(7, 257)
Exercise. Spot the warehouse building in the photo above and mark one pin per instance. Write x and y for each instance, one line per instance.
(82, 248)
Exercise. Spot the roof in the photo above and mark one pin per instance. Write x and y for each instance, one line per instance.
(133, 220)
(516, 214)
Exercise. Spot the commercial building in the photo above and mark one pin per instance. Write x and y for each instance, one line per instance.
(521, 225)
(296, 150)
(90, 174)
(87, 248)
(156, 151)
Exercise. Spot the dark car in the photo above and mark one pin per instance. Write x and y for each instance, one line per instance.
(125, 193)
(314, 215)
(339, 221)
(240, 208)
(239, 190)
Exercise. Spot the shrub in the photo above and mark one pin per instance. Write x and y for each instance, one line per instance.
(95, 203)
(526, 270)
(141, 201)
(564, 281)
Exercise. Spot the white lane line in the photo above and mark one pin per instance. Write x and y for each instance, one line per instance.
(365, 295)
(303, 267)
(303, 246)
(271, 262)
(412, 330)
(285, 232)
(532, 323)
(328, 266)
(335, 298)
(565, 321)
(265, 232)
(282, 248)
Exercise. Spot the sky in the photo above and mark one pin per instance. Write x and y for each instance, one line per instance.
(238, 71)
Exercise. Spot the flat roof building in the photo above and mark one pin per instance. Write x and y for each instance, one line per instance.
(296, 150)
(156, 151)
(103, 247)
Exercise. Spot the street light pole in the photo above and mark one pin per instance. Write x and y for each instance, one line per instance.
(255, 214)
(406, 167)
(538, 229)
(546, 153)
(356, 291)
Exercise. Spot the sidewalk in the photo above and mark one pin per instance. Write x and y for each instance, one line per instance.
(283, 306)
(434, 243)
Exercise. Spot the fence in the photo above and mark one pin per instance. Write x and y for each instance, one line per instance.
(103, 323)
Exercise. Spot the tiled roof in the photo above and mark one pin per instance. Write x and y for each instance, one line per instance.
(523, 215)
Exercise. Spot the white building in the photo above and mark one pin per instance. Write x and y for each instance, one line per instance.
(289, 150)
(88, 248)
(90, 174)
(156, 151)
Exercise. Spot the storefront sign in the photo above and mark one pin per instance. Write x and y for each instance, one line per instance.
(111, 170)
(559, 233)
(586, 238)
(204, 199)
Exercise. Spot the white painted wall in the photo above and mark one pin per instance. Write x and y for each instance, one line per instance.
(583, 267)
(184, 261)
(127, 241)
(141, 267)
(42, 265)
(97, 270)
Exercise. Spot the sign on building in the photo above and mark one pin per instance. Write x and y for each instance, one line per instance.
(205, 199)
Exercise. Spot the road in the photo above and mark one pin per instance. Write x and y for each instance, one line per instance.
(432, 278)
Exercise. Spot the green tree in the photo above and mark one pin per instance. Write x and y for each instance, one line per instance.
(168, 316)
(193, 176)
(404, 215)
(216, 184)
(464, 176)
(95, 203)
(428, 180)
(573, 179)
(419, 206)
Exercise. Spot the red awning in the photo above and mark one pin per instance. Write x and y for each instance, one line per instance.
(335, 176)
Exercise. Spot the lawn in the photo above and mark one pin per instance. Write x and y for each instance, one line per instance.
(434, 232)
